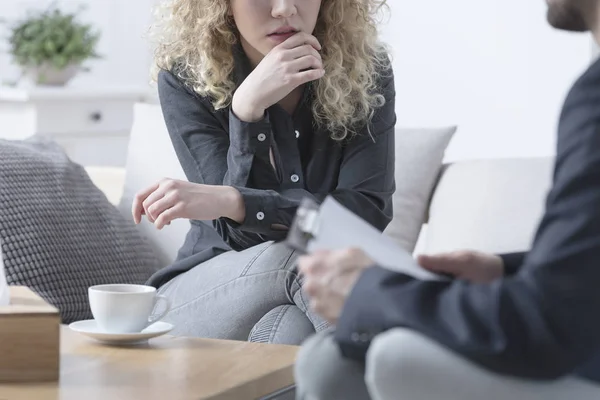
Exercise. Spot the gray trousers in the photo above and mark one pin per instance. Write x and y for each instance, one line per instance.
(251, 295)
(403, 365)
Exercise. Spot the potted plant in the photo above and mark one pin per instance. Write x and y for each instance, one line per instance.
(50, 46)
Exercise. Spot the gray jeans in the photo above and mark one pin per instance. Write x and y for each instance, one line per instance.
(251, 295)
(403, 365)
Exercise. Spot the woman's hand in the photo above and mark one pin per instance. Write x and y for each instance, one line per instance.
(170, 199)
(287, 66)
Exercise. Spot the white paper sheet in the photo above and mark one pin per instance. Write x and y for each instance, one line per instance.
(339, 228)
(4, 294)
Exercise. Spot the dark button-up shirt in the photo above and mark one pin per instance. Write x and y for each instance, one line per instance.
(542, 320)
(216, 148)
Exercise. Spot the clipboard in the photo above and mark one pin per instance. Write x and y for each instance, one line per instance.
(331, 226)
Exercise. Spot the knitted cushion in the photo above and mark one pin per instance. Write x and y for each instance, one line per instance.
(59, 233)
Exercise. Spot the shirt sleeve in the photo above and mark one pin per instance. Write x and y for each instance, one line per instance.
(210, 155)
(540, 323)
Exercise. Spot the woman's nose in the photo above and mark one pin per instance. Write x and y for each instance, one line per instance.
(283, 8)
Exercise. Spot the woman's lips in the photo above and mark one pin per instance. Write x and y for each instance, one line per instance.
(281, 36)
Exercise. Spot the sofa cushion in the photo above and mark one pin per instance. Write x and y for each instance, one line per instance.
(419, 155)
(150, 158)
(488, 205)
(59, 233)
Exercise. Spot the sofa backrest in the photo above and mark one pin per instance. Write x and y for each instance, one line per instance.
(488, 205)
(150, 158)
(419, 153)
(491, 205)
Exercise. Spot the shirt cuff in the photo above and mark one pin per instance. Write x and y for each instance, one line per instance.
(260, 211)
(250, 137)
(361, 318)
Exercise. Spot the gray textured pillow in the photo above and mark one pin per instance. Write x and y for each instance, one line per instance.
(59, 233)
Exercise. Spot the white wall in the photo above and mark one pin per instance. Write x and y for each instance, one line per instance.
(493, 67)
(123, 25)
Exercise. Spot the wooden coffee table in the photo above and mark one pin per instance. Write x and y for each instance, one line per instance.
(165, 368)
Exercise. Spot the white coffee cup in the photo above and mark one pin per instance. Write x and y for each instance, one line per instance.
(125, 308)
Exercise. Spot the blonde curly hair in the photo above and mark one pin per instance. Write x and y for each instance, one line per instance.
(198, 37)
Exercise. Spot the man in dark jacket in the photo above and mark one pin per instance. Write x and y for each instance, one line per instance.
(517, 326)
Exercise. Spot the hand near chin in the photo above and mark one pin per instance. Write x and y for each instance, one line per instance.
(170, 199)
(287, 66)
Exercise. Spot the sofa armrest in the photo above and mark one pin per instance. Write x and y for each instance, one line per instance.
(110, 180)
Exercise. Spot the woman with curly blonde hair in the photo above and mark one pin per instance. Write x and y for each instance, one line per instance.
(267, 102)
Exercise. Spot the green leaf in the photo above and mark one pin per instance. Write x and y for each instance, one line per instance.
(50, 47)
(54, 37)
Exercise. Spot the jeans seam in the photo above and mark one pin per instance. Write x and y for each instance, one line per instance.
(253, 260)
(306, 307)
(288, 260)
(280, 316)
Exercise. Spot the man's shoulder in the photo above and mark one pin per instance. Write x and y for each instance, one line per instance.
(588, 84)
(582, 106)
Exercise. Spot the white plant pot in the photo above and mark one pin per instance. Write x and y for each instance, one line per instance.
(47, 75)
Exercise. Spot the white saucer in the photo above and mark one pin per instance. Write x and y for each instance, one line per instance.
(91, 329)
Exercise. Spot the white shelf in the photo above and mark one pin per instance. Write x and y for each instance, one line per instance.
(48, 93)
(91, 123)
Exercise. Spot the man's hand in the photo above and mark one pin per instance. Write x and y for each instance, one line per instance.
(330, 277)
(469, 265)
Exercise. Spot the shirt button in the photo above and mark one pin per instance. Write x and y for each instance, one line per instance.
(355, 337)
(261, 137)
(295, 178)
(297, 134)
(260, 216)
(364, 337)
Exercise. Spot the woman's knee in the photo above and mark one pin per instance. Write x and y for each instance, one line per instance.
(285, 324)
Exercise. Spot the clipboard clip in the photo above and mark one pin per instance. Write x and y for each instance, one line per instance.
(305, 226)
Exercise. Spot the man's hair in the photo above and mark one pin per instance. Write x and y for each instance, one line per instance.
(198, 37)
(567, 15)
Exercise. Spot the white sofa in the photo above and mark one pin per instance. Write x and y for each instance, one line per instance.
(488, 205)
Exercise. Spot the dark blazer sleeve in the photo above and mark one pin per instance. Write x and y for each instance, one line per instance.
(209, 154)
(541, 322)
(512, 262)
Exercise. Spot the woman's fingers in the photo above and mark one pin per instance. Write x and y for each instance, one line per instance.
(301, 51)
(167, 216)
(160, 206)
(150, 200)
(307, 76)
(137, 208)
(304, 63)
(299, 39)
